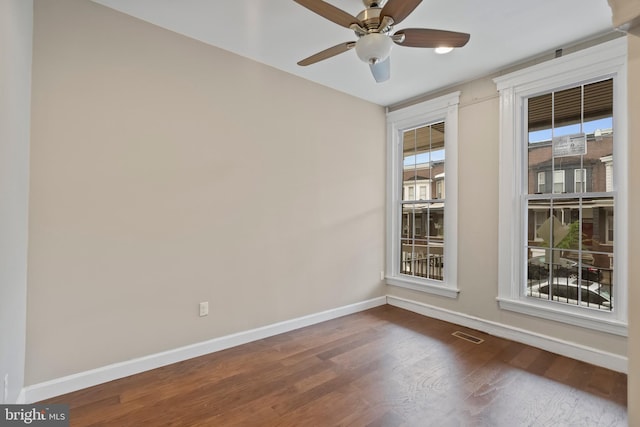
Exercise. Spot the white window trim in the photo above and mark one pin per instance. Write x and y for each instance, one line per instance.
(432, 111)
(606, 60)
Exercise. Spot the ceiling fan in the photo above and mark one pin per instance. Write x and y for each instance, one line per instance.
(374, 27)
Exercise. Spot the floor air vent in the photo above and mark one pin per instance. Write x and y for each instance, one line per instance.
(468, 337)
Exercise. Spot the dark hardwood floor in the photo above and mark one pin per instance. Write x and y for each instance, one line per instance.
(382, 367)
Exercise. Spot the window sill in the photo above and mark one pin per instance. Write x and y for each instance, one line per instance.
(423, 286)
(577, 316)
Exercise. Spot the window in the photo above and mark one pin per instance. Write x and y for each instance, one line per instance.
(541, 182)
(440, 188)
(558, 181)
(580, 178)
(557, 245)
(423, 192)
(421, 232)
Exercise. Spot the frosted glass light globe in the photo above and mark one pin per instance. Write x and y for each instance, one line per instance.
(374, 47)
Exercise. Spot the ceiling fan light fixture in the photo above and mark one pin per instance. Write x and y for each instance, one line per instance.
(374, 47)
(443, 49)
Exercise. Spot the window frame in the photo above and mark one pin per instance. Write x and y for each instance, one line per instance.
(444, 108)
(607, 60)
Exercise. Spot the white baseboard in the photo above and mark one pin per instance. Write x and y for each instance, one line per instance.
(597, 357)
(78, 381)
(67, 384)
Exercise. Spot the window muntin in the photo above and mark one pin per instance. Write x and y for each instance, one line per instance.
(571, 246)
(422, 240)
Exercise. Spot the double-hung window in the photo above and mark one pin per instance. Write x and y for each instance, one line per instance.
(559, 254)
(422, 225)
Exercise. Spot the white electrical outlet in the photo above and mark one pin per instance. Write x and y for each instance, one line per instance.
(204, 308)
(382, 275)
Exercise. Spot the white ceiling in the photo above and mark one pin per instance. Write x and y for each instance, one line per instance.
(279, 33)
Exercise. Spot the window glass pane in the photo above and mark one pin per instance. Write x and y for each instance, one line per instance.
(435, 260)
(409, 164)
(406, 256)
(597, 221)
(584, 109)
(423, 160)
(423, 223)
(566, 225)
(408, 221)
(567, 111)
(422, 258)
(537, 267)
(554, 228)
(598, 105)
(539, 118)
(422, 243)
(539, 229)
(539, 165)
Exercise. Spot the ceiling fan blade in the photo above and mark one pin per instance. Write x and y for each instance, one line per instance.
(327, 53)
(399, 9)
(330, 12)
(424, 37)
(381, 71)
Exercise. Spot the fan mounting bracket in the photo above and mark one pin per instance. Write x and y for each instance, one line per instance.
(374, 3)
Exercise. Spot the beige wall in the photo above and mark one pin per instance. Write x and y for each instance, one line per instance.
(625, 13)
(166, 172)
(634, 230)
(16, 17)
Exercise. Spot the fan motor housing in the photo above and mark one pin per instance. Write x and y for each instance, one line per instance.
(370, 18)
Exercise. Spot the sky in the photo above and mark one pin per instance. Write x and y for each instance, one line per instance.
(588, 127)
(537, 136)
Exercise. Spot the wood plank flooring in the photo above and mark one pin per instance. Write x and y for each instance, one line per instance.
(381, 367)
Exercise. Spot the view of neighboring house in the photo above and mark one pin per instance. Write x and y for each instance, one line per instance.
(570, 192)
(423, 195)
